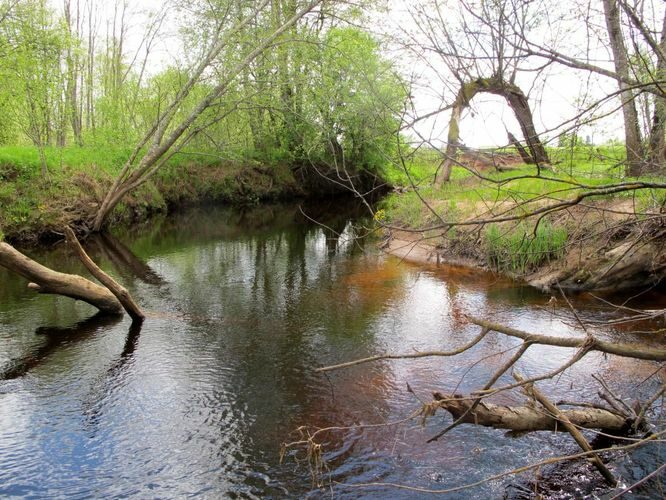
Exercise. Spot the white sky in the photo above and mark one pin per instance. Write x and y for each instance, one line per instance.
(484, 122)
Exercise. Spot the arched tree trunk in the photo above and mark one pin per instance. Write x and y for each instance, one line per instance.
(517, 102)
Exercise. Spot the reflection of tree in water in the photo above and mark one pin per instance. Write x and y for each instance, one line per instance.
(262, 302)
(55, 338)
(110, 380)
(123, 259)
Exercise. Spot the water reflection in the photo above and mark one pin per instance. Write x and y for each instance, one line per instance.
(55, 338)
(242, 307)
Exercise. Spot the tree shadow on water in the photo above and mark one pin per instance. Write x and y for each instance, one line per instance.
(55, 338)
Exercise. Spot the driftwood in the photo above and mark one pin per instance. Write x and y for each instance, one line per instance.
(118, 291)
(109, 300)
(44, 280)
(560, 416)
(528, 418)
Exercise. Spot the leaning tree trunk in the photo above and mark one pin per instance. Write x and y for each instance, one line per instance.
(524, 155)
(517, 102)
(166, 137)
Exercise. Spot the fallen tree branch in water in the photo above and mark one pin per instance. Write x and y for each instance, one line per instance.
(422, 354)
(45, 280)
(114, 287)
(637, 351)
(527, 418)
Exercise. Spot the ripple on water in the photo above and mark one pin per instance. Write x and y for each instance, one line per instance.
(198, 400)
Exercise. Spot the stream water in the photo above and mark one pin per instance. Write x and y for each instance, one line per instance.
(242, 307)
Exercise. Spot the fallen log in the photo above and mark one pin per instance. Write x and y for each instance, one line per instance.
(529, 418)
(571, 428)
(114, 287)
(45, 280)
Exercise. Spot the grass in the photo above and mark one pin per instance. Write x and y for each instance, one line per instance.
(521, 249)
(31, 204)
(586, 165)
(513, 246)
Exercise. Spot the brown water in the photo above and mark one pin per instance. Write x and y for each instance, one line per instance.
(243, 306)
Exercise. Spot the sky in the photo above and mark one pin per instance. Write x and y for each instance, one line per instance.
(484, 124)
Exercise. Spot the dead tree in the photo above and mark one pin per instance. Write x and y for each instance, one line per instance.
(109, 299)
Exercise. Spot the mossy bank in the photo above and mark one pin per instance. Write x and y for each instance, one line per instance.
(34, 208)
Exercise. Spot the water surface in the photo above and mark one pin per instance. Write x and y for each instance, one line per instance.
(242, 307)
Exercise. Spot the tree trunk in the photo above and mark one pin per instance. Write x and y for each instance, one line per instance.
(524, 155)
(528, 418)
(517, 102)
(521, 108)
(632, 134)
(45, 280)
(657, 151)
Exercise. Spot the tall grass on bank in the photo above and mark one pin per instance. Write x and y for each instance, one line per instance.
(521, 249)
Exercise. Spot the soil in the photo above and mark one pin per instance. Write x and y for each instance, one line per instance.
(608, 248)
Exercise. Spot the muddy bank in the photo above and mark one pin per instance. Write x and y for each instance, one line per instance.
(38, 209)
(607, 248)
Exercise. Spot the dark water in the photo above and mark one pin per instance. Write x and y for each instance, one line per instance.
(243, 306)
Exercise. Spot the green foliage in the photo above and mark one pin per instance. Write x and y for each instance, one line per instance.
(359, 96)
(521, 249)
(30, 73)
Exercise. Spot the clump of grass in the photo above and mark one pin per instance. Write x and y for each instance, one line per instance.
(521, 249)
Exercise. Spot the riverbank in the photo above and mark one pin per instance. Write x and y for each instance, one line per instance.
(549, 232)
(34, 208)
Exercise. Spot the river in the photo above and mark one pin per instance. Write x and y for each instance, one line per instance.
(242, 307)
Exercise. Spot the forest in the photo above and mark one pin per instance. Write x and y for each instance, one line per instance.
(217, 163)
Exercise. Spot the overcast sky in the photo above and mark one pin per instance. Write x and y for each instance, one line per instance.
(485, 122)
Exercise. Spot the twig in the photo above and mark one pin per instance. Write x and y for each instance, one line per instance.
(422, 354)
(512, 472)
(638, 483)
